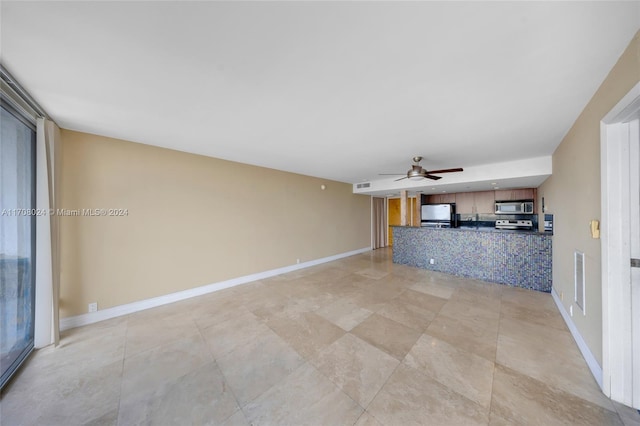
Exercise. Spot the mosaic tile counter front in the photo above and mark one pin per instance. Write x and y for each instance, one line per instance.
(518, 259)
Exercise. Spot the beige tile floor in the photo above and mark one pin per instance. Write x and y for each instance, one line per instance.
(359, 341)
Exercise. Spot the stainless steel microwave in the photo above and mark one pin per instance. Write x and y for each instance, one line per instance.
(514, 207)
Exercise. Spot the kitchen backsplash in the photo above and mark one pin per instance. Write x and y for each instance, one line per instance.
(489, 220)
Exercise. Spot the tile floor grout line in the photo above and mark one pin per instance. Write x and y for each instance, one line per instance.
(500, 316)
(446, 385)
(493, 376)
(495, 362)
(380, 390)
(224, 379)
(124, 357)
(242, 407)
(337, 388)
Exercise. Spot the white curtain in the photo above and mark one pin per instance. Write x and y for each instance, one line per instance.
(379, 223)
(47, 329)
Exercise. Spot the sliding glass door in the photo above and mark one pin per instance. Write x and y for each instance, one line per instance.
(17, 239)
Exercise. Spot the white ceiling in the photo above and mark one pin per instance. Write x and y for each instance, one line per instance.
(338, 90)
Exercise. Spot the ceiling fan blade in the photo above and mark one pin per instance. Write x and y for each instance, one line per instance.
(401, 179)
(390, 174)
(445, 170)
(432, 177)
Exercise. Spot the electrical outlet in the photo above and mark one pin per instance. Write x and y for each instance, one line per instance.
(297, 260)
(562, 295)
(571, 310)
(432, 261)
(93, 307)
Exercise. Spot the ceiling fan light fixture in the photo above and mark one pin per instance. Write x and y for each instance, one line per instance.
(416, 174)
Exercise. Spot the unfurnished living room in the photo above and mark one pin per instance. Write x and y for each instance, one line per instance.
(320, 213)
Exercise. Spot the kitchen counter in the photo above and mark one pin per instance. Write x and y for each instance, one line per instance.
(512, 257)
(482, 229)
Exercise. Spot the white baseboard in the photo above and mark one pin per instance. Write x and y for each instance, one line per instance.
(90, 318)
(595, 368)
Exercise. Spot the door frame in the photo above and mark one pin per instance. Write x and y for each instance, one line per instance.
(617, 351)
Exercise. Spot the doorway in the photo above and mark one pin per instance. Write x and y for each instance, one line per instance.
(620, 188)
(394, 219)
(393, 213)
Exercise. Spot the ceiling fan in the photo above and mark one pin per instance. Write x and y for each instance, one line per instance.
(418, 173)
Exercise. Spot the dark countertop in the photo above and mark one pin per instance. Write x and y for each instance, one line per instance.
(478, 229)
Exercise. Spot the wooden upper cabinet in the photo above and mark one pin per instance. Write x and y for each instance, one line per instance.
(482, 202)
(504, 194)
(485, 202)
(515, 194)
(465, 202)
(475, 202)
(447, 198)
(439, 198)
(525, 194)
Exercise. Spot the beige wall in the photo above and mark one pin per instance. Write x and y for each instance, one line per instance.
(572, 194)
(192, 220)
